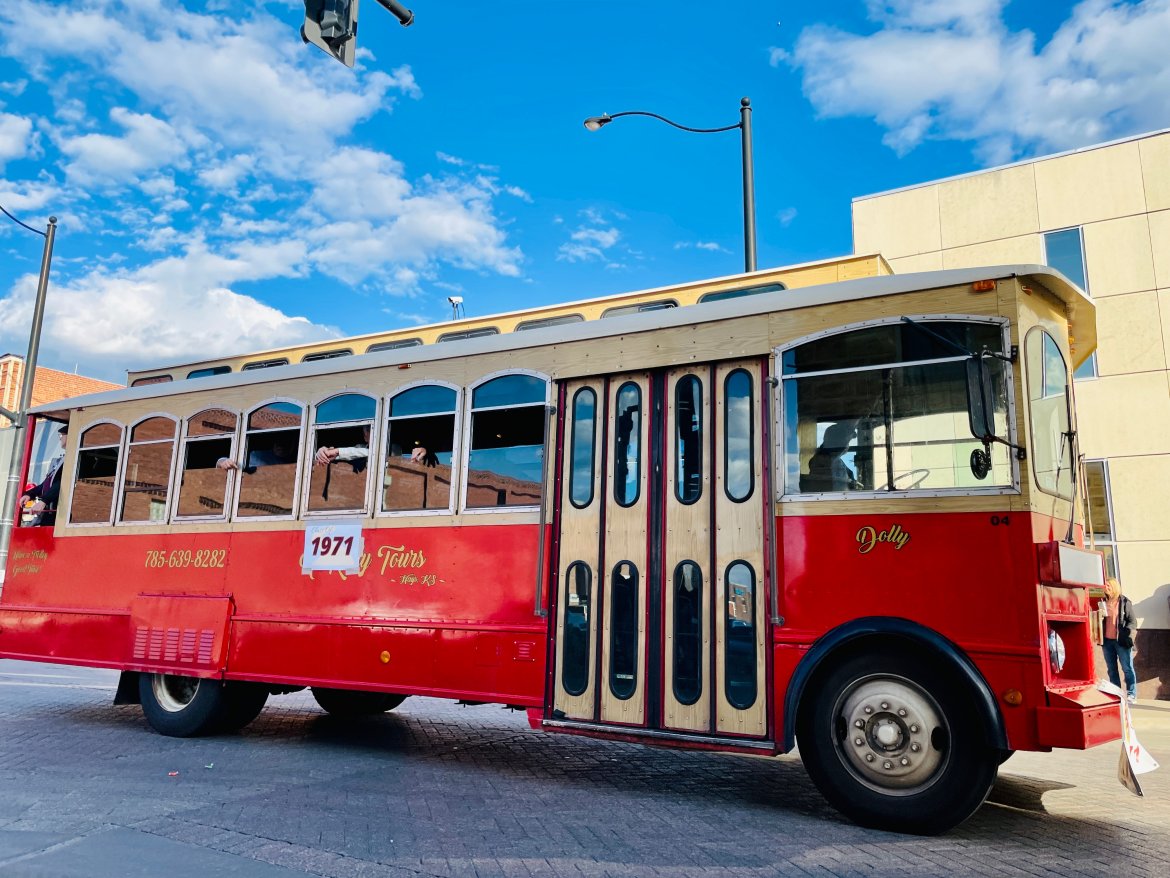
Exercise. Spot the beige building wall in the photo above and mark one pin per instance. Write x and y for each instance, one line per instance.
(1118, 195)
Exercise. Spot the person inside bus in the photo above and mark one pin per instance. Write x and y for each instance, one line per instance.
(359, 454)
(283, 450)
(826, 469)
(1117, 642)
(44, 496)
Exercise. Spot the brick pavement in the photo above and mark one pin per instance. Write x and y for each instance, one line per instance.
(435, 789)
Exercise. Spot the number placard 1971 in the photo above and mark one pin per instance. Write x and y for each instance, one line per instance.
(332, 545)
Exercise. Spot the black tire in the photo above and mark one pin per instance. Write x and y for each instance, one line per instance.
(182, 707)
(242, 704)
(894, 743)
(351, 702)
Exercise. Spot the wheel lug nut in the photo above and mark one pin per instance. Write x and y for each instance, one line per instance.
(860, 724)
(901, 711)
(885, 705)
(914, 729)
(905, 761)
(868, 709)
(869, 757)
(859, 741)
(915, 748)
(887, 765)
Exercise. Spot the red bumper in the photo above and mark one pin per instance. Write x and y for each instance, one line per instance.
(1078, 719)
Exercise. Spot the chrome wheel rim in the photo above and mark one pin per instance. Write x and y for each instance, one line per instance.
(172, 693)
(891, 735)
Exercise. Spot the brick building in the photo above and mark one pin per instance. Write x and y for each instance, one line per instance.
(50, 384)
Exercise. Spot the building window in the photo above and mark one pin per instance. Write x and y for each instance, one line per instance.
(1087, 369)
(264, 364)
(326, 355)
(721, 295)
(545, 322)
(1065, 251)
(394, 345)
(465, 334)
(1099, 512)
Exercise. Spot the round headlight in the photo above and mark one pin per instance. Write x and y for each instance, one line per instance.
(1056, 653)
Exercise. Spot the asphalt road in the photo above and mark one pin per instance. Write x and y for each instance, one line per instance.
(435, 789)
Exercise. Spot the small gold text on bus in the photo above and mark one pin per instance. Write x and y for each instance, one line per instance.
(868, 537)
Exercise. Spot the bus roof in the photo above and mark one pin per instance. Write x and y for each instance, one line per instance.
(1079, 304)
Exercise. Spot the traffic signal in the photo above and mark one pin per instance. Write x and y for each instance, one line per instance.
(332, 26)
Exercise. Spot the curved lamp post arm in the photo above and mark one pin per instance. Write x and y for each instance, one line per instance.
(596, 123)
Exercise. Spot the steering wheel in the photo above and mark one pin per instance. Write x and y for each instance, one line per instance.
(919, 475)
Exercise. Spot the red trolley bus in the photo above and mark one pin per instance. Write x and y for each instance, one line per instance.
(843, 516)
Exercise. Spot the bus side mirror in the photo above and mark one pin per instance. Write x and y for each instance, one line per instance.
(980, 399)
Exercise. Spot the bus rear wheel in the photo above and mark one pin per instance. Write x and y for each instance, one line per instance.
(184, 707)
(892, 743)
(351, 702)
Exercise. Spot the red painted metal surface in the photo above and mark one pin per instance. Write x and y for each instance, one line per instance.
(450, 611)
(453, 608)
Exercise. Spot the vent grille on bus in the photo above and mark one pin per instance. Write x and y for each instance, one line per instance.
(174, 645)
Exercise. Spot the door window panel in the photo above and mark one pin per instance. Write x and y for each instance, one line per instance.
(739, 438)
(420, 442)
(203, 485)
(268, 476)
(507, 442)
(627, 454)
(582, 460)
(97, 470)
(147, 478)
(688, 632)
(344, 422)
(688, 439)
(575, 643)
(740, 636)
(623, 660)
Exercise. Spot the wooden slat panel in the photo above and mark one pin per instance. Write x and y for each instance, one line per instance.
(579, 541)
(688, 538)
(625, 540)
(739, 537)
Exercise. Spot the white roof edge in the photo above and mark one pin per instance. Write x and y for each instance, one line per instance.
(786, 300)
(1018, 164)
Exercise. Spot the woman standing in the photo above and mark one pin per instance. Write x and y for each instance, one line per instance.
(1117, 643)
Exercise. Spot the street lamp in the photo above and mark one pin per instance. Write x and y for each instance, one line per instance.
(596, 123)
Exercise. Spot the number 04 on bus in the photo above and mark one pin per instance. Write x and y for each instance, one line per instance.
(843, 517)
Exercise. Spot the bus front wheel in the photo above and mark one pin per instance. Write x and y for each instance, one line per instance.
(351, 702)
(183, 707)
(891, 742)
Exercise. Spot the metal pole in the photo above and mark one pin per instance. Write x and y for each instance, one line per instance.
(749, 186)
(28, 377)
(34, 338)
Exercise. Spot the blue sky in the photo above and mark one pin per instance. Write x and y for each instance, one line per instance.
(223, 188)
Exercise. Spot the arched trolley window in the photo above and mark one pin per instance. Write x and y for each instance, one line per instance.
(210, 438)
(506, 448)
(341, 435)
(420, 448)
(96, 475)
(268, 472)
(146, 479)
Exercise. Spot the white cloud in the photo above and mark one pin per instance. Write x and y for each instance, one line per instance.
(710, 246)
(15, 134)
(786, 216)
(148, 144)
(175, 309)
(951, 69)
